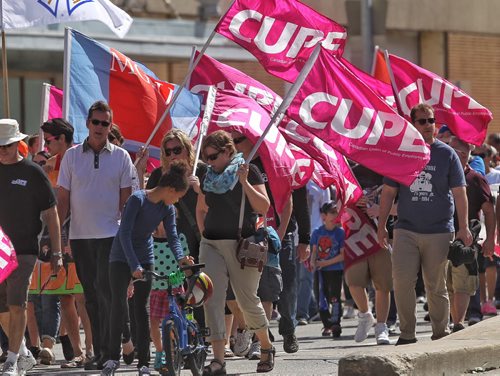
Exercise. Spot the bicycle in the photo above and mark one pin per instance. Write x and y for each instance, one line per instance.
(182, 339)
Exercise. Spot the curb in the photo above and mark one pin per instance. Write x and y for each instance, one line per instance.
(477, 346)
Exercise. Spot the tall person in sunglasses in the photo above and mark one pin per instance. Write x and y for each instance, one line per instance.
(94, 182)
(175, 146)
(424, 229)
(26, 197)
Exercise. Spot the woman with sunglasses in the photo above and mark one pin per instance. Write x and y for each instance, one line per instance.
(218, 212)
(132, 253)
(175, 146)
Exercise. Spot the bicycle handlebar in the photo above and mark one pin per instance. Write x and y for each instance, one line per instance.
(174, 278)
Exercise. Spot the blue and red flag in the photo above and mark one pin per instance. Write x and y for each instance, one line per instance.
(94, 71)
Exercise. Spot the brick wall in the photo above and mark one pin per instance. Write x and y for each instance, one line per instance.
(473, 63)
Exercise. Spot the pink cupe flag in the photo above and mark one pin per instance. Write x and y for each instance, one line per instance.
(234, 111)
(465, 117)
(8, 259)
(336, 106)
(281, 34)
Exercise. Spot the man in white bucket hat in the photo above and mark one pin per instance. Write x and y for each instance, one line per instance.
(27, 195)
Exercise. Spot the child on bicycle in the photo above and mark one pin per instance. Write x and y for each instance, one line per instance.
(327, 257)
(132, 253)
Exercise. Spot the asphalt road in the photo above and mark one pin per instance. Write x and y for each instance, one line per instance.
(317, 355)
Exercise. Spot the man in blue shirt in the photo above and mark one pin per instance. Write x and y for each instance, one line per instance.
(424, 229)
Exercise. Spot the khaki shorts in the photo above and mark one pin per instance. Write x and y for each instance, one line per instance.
(376, 268)
(460, 281)
(14, 290)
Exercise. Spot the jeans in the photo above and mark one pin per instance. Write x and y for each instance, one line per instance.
(119, 278)
(48, 315)
(305, 296)
(92, 263)
(287, 304)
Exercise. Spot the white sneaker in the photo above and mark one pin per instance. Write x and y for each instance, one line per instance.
(349, 312)
(382, 334)
(242, 342)
(254, 352)
(25, 363)
(46, 356)
(365, 323)
(9, 369)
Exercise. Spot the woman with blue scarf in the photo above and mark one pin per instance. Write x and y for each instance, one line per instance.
(217, 214)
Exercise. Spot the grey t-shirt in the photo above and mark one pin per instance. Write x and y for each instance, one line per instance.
(427, 206)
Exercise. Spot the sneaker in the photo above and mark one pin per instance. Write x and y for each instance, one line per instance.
(421, 300)
(457, 327)
(392, 328)
(110, 367)
(159, 361)
(3, 357)
(402, 341)
(435, 337)
(382, 334)
(302, 322)
(254, 352)
(242, 342)
(336, 330)
(473, 320)
(77, 362)
(275, 315)
(365, 323)
(349, 313)
(488, 308)
(290, 344)
(144, 370)
(9, 369)
(46, 356)
(25, 363)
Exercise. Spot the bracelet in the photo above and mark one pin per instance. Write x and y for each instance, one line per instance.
(58, 254)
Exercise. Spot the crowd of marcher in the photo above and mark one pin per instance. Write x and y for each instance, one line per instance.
(88, 211)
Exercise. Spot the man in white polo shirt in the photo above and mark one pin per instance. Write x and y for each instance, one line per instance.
(95, 180)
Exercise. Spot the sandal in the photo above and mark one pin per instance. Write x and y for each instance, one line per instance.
(266, 365)
(209, 371)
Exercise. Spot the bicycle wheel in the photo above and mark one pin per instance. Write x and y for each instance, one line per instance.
(197, 361)
(173, 356)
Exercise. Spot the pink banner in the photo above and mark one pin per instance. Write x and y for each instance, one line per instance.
(340, 109)
(8, 259)
(281, 34)
(466, 118)
(360, 236)
(212, 72)
(382, 89)
(55, 103)
(334, 168)
(234, 111)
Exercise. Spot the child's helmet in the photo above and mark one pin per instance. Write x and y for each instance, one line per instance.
(202, 290)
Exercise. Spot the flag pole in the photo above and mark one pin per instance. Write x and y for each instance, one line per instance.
(207, 115)
(393, 83)
(5, 76)
(44, 113)
(183, 84)
(66, 75)
(374, 61)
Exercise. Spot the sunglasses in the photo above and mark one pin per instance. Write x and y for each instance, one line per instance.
(177, 150)
(104, 123)
(423, 121)
(239, 140)
(6, 146)
(213, 157)
(48, 140)
(41, 163)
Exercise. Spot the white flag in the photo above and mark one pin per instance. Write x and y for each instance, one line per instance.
(16, 14)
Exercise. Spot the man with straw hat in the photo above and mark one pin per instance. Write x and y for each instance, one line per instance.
(27, 196)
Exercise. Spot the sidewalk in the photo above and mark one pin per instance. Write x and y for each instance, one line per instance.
(476, 346)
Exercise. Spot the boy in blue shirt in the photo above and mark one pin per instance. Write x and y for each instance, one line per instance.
(327, 243)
